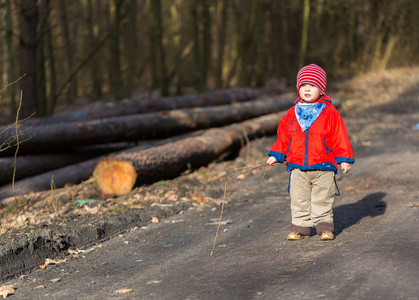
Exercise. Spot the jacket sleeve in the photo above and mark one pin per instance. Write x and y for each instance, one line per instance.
(342, 147)
(279, 149)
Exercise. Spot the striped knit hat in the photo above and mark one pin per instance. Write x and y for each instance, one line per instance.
(312, 74)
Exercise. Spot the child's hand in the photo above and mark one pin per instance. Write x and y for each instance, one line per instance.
(345, 167)
(271, 161)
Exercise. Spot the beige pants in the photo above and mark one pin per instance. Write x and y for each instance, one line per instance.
(312, 195)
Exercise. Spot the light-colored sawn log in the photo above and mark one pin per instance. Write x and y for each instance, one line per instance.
(170, 160)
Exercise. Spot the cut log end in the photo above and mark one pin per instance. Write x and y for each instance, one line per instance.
(115, 177)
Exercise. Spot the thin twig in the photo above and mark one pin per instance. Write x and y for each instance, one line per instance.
(264, 173)
(224, 198)
(17, 149)
(248, 148)
(54, 205)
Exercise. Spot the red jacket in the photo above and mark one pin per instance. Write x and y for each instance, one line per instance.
(321, 147)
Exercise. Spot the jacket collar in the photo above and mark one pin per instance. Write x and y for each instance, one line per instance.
(322, 99)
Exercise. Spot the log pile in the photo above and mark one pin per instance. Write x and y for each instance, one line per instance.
(64, 136)
(150, 146)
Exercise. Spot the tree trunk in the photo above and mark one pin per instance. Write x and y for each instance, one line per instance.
(49, 138)
(130, 107)
(261, 52)
(206, 41)
(94, 35)
(116, 53)
(164, 84)
(170, 160)
(8, 59)
(153, 45)
(41, 82)
(221, 43)
(70, 174)
(131, 47)
(30, 165)
(28, 56)
(178, 44)
(50, 98)
(65, 28)
(304, 34)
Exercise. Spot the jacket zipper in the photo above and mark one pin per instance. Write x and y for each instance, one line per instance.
(306, 152)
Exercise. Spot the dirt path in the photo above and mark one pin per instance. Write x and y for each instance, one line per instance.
(374, 255)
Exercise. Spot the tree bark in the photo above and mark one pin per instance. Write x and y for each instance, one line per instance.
(49, 138)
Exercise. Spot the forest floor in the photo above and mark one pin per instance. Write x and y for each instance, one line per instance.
(155, 242)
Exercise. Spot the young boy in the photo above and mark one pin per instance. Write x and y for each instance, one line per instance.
(312, 140)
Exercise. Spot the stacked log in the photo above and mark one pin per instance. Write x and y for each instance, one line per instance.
(121, 173)
(147, 105)
(33, 164)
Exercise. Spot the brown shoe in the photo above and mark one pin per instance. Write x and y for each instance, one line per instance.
(295, 235)
(327, 235)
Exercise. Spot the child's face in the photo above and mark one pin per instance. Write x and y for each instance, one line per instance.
(309, 92)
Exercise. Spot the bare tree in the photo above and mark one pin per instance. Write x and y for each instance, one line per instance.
(28, 10)
(68, 47)
(8, 59)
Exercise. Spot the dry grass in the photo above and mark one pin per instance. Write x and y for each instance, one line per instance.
(387, 91)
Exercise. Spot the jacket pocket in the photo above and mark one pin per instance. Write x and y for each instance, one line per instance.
(293, 126)
(289, 144)
(327, 149)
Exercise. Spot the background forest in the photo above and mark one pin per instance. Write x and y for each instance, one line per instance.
(63, 50)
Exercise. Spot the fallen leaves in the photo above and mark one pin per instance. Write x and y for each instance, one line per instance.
(200, 199)
(411, 205)
(217, 220)
(49, 261)
(6, 290)
(78, 251)
(123, 291)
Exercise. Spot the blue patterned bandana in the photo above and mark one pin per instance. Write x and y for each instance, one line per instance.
(308, 113)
